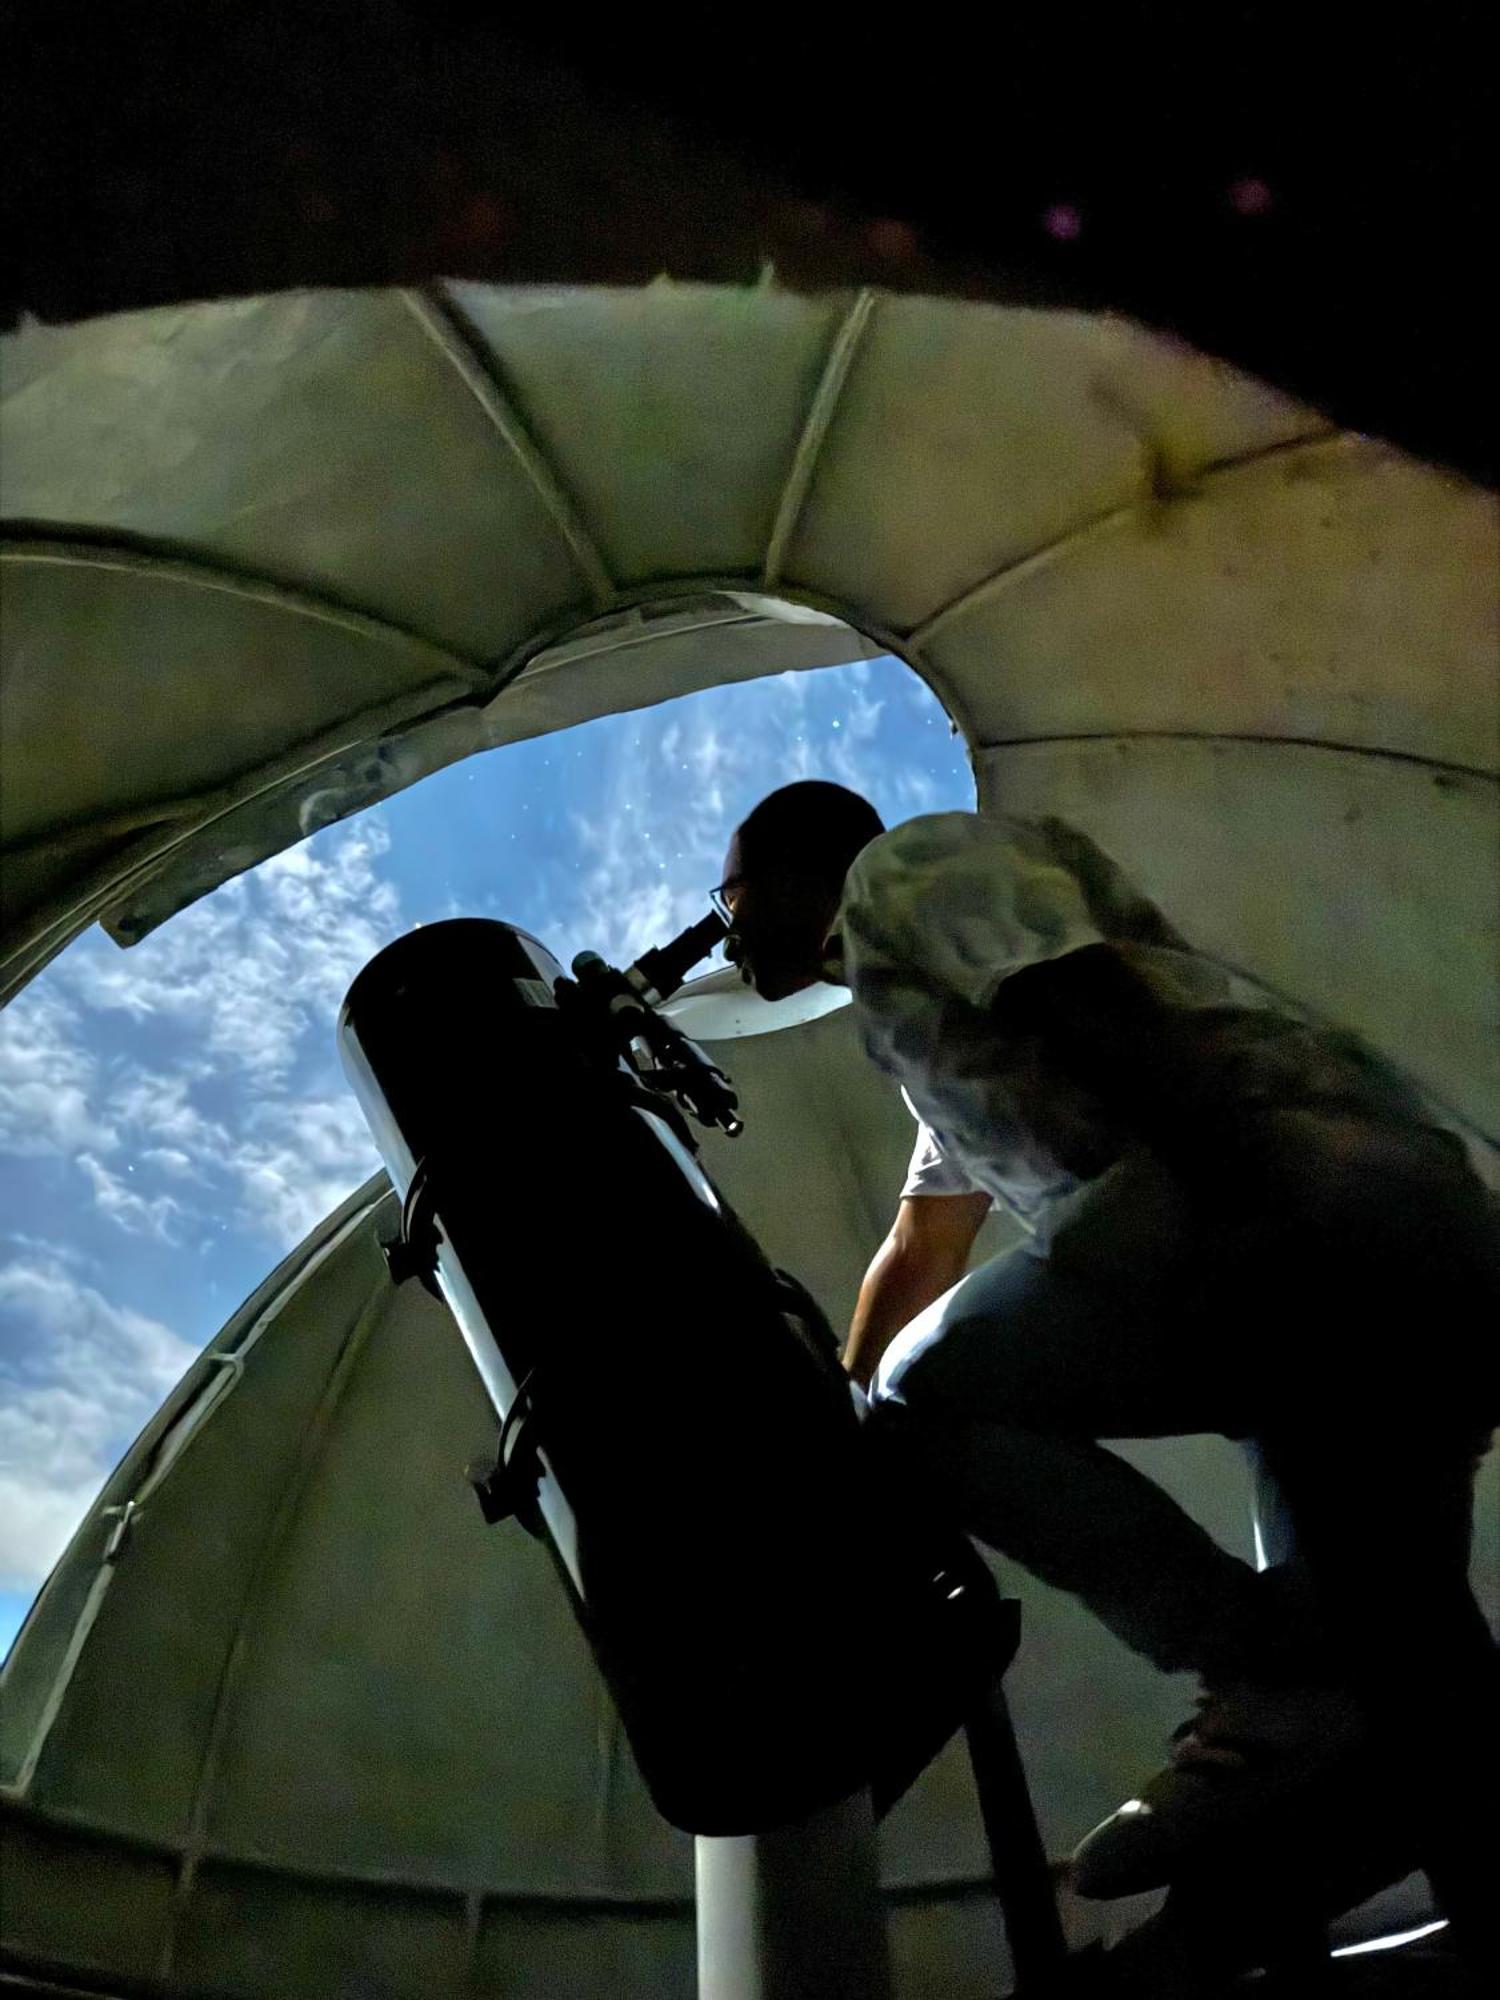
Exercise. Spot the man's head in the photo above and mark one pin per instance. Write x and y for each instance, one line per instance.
(783, 877)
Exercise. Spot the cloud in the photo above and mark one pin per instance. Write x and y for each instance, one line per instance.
(650, 852)
(219, 1088)
(191, 1077)
(154, 1104)
(864, 718)
(707, 754)
(43, 1497)
(90, 1344)
(848, 765)
(248, 970)
(220, 1094)
(917, 792)
(135, 1213)
(47, 1249)
(47, 1078)
(80, 1377)
(297, 1161)
(653, 843)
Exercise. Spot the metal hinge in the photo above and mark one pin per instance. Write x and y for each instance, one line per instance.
(125, 1519)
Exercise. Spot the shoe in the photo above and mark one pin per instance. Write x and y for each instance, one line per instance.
(1246, 1753)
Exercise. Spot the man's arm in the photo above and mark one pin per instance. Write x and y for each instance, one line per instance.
(926, 1253)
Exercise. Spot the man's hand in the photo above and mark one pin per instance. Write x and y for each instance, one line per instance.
(925, 1255)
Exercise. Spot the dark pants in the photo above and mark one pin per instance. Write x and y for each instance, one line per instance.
(1335, 1303)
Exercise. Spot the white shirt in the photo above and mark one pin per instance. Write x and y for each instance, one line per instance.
(935, 914)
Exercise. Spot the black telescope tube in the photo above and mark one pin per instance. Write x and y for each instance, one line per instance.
(697, 1458)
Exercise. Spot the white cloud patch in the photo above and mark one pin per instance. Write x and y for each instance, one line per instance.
(47, 1249)
(47, 1079)
(152, 1104)
(79, 1377)
(864, 718)
(651, 851)
(707, 754)
(297, 1161)
(918, 793)
(249, 969)
(220, 1105)
(223, 1104)
(655, 843)
(136, 1213)
(248, 1121)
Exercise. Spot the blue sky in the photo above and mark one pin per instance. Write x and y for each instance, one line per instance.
(173, 1119)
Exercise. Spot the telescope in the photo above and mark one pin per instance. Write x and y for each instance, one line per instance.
(675, 1426)
(624, 1004)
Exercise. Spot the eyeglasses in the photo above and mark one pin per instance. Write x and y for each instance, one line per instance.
(723, 899)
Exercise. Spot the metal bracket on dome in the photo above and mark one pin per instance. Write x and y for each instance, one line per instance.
(124, 1519)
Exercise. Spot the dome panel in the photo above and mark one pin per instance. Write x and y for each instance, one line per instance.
(128, 1751)
(1085, 528)
(1333, 590)
(672, 415)
(129, 688)
(1365, 888)
(1196, 411)
(100, 1908)
(637, 1951)
(965, 438)
(393, 1713)
(322, 438)
(248, 1932)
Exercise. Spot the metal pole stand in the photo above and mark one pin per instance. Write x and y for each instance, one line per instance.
(1018, 1860)
(794, 1913)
